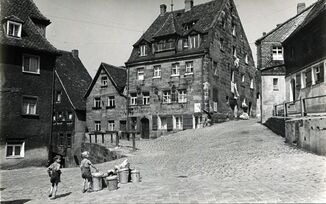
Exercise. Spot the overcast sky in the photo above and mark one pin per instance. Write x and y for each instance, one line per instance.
(105, 30)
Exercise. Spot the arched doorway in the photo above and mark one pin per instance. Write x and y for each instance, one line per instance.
(144, 128)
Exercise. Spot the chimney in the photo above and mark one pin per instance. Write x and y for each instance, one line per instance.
(264, 33)
(163, 9)
(278, 25)
(301, 7)
(74, 53)
(189, 4)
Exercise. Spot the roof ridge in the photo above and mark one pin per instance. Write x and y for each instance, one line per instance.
(287, 21)
(104, 63)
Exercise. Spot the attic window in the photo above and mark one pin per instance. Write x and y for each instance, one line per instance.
(189, 25)
(104, 81)
(143, 50)
(14, 29)
(165, 45)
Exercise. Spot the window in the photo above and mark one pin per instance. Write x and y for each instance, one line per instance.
(14, 29)
(318, 71)
(29, 105)
(175, 69)
(61, 139)
(215, 68)
(242, 78)
(166, 96)
(54, 118)
(234, 51)
(60, 116)
(185, 43)
(31, 64)
(97, 125)
(15, 149)
(164, 123)
(133, 99)
(234, 30)
(157, 71)
(246, 59)
(251, 83)
(70, 116)
(143, 50)
(182, 96)
(277, 53)
(178, 123)
(58, 97)
(97, 103)
(111, 125)
(140, 73)
(221, 44)
(146, 98)
(189, 67)
(303, 79)
(165, 45)
(69, 140)
(111, 102)
(104, 81)
(275, 84)
(194, 41)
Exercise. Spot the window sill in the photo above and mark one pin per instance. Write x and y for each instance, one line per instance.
(14, 37)
(14, 157)
(190, 73)
(175, 75)
(34, 73)
(142, 55)
(104, 86)
(157, 77)
(34, 116)
(57, 102)
(110, 107)
(96, 108)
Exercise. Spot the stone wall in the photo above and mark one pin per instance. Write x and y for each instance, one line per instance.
(307, 133)
(277, 125)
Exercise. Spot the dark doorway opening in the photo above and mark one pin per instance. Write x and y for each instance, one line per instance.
(144, 128)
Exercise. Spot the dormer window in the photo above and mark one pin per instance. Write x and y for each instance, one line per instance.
(143, 50)
(194, 41)
(185, 43)
(164, 45)
(277, 53)
(188, 26)
(14, 29)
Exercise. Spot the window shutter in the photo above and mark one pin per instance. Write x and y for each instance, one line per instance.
(298, 80)
(308, 74)
(322, 71)
(169, 122)
(154, 122)
(187, 121)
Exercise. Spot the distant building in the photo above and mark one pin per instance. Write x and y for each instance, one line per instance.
(305, 59)
(189, 63)
(26, 69)
(69, 109)
(270, 62)
(106, 101)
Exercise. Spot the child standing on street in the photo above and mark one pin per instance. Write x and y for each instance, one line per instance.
(54, 173)
(85, 167)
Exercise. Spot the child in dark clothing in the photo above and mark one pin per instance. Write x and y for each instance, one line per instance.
(85, 167)
(54, 173)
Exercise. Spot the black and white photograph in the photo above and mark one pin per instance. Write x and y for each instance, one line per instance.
(162, 101)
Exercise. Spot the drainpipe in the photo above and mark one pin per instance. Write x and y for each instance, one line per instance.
(52, 109)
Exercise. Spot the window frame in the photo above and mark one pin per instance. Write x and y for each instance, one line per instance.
(182, 96)
(146, 98)
(111, 125)
(157, 70)
(96, 101)
(141, 70)
(176, 69)
(275, 85)
(277, 56)
(189, 67)
(58, 95)
(178, 122)
(166, 97)
(111, 102)
(194, 41)
(38, 64)
(142, 50)
(104, 83)
(97, 125)
(21, 153)
(133, 99)
(20, 25)
(36, 105)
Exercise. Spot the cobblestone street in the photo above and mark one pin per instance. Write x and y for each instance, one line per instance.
(236, 161)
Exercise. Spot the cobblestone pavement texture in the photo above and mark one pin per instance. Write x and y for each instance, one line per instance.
(237, 161)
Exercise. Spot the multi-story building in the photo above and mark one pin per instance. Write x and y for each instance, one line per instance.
(106, 100)
(270, 62)
(69, 107)
(305, 60)
(188, 63)
(26, 70)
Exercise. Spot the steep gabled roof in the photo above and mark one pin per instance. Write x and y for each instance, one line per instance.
(202, 14)
(74, 78)
(281, 32)
(117, 76)
(24, 11)
(317, 9)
